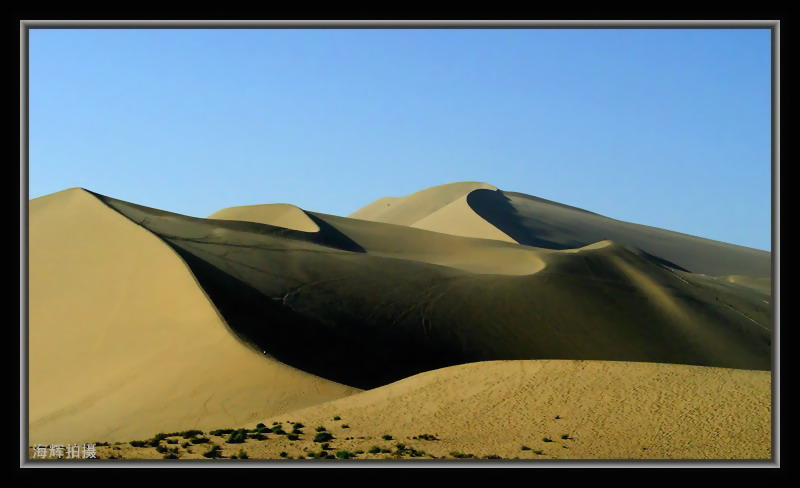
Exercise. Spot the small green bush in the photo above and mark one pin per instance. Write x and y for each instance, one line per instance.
(260, 426)
(237, 437)
(321, 429)
(461, 455)
(325, 446)
(526, 448)
(161, 449)
(188, 434)
(220, 432)
(427, 437)
(565, 436)
(538, 452)
(374, 450)
(298, 425)
(547, 439)
(213, 452)
(284, 454)
(387, 437)
(186, 444)
(171, 455)
(344, 455)
(345, 426)
(492, 456)
(243, 454)
(139, 443)
(172, 441)
(337, 418)
(292, 437)
(199, 440)
(323, 437)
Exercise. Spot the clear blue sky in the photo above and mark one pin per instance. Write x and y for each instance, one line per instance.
(669, 128)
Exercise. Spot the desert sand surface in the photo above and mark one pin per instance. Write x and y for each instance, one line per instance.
(123, 342)
(507, 410)
(542, 223)
(145, 321)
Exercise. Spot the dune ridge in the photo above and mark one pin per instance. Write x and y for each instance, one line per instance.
(124, 343)
(484, 211)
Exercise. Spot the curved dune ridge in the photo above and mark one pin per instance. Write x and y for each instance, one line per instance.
(124, 343)
(483, 211)
(350, 307)
(277, 214)
(609, 410)
(143, 320)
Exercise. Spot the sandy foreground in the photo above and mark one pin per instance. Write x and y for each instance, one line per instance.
(484, 321)
(588, 409)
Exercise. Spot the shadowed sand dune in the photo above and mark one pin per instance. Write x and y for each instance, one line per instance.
(123, 342)
(278, 214)
(170, 322)
(275, 286)
(541, 223)
(608, 410)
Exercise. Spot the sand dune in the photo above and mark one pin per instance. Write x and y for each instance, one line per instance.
(143, 320)
(542, 223)
(608, 409)
(275, 286)
(124, 343)
(278, 214)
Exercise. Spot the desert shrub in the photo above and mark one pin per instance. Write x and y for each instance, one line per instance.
(337, 418)
(278, 431)
(526, 448)
(161, 449)
(292, 437)
(461, 455)
(243, 454)
(400, 446)
(258, 437)
(98, 444)
(387, 437)
(170, 455)
(237, 437)
(492, 456)
(320, 429)
(260, 425)
(344, 455)
(186, 444)
(345, 426)
(374, 450)
(427, 437)
(325, 446)
(565, 436)
(138, 443)
(172, 441)
(558, 417)
(547, 439)
(385, 451)
(153, 442)
(284, 454)
(323, 437)
(299, 425)
(188, 434)
(220, 432)
(199, 440)
(213, 452)
(359, 452)
(538, 452)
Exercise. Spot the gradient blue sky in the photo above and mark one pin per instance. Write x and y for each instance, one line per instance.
(669, 128)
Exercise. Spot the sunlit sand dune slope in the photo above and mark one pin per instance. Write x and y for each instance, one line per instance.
(123, 342)
(481, 210)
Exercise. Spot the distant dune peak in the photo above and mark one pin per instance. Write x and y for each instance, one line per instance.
(277, 214)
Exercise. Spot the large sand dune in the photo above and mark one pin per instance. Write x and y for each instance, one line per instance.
(123, 342)
(143, 320)
(351, 308)
(609, 410)
(481, 210)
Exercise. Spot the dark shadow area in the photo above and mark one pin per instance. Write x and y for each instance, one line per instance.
(364, 354)
(496, 208)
